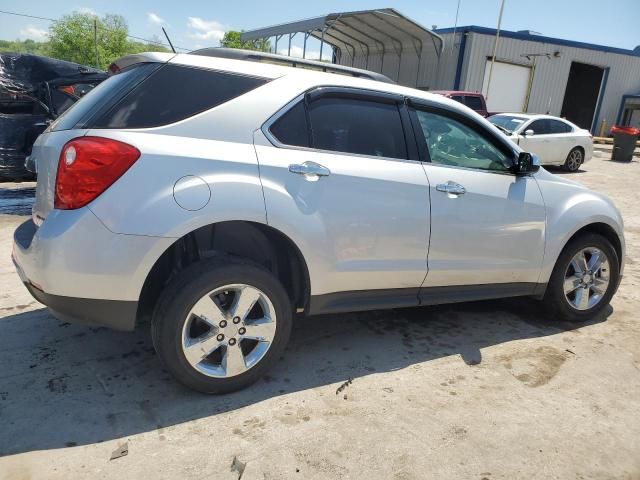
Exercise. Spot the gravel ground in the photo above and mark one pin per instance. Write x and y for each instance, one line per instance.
(488, 390)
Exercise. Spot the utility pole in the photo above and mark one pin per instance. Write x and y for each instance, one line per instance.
(495, 49)
(95, 41)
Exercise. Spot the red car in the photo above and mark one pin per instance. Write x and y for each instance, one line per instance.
(473, 100)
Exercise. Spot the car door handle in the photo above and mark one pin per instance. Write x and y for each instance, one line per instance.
(451, 187)
(309, 169)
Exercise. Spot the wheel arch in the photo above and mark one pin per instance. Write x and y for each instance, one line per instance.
(257, 242)
(605, 230)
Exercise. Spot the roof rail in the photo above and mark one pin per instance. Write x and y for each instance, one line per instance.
(255, 56)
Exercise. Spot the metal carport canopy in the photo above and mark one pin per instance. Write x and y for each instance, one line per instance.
(363, 33)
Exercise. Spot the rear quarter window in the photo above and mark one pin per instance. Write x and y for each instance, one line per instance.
(173, 93)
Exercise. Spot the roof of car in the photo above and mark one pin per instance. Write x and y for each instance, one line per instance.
(305, 76)
(455, 92)
(533, 116)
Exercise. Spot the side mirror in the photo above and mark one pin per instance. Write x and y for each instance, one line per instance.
(529, 133)
(527, 163)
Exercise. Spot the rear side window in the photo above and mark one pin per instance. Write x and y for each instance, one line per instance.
(556, 126)
(173, 93)
(474, 103)
(291, 128)
(102, 97)
(357, 126)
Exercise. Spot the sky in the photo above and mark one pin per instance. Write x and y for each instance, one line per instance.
(195, 24)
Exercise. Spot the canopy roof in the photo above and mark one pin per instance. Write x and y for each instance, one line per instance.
(360, 33)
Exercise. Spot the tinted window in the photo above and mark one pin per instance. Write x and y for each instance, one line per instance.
(451, 142)
(102, 97)
(474, 103)
(357, 126)
(457, 98)
(173, 93)
(539, 127)
(291, 128)
(556, 126)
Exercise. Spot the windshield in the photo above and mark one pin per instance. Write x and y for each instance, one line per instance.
(510, 123)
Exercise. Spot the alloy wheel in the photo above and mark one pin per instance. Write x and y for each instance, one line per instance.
(228, 331)
(574, 161)
(586, 279)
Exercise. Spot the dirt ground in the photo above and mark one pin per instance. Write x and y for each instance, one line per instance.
(490, 390)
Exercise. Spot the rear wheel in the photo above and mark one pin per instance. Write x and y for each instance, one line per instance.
(219, 325)
(574, 160)
(584, 279)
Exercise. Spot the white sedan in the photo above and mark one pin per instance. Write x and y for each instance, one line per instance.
(555, 140)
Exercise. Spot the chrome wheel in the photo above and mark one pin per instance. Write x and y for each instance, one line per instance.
(228, 331)
(574, 160)
(586, 279)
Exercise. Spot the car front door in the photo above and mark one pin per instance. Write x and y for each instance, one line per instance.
(342, 182)
(487, 224)
(561, 140)
(539, 142)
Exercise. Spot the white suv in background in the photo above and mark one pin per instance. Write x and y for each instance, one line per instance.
(221, 196)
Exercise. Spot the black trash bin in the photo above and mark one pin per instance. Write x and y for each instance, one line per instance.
(624, 143)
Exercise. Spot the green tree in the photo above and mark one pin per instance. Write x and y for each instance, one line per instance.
(231, 39)
(73, 38)
(26, 46)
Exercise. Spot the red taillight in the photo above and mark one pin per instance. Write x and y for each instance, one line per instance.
(68, 89)
(87, 167)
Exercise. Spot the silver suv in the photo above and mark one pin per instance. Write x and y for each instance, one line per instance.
(221, 196)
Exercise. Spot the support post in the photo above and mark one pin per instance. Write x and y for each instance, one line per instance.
(495, 49)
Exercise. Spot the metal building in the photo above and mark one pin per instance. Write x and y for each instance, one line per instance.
(586, 83)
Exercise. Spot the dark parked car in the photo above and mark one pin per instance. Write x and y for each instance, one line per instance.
(473, 100)
(34, 91)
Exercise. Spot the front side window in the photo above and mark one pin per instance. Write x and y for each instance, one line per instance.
(539, 127)
(451, 142)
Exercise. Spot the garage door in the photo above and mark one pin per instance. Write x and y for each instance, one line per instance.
(509, 84)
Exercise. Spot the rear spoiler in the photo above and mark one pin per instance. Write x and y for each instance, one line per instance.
(147, 57)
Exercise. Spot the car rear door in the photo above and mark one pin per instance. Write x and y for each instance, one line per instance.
(487, 224)
(341, 180)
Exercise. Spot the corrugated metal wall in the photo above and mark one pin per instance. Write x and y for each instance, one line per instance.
(551, 75)
(433, 73)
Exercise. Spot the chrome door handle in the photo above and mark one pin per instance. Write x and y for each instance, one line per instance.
(451, 187)
(310, 169)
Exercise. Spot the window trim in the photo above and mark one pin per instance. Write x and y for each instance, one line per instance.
(445, 111)
(353, 93)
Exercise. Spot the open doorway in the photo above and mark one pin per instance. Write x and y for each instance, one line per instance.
(581, 95)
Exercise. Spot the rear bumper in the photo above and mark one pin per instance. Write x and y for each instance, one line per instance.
(118, 315)
(82, 271)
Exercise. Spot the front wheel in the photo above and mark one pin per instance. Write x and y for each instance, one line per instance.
(574, 160)
(584, 279)
(220, 324)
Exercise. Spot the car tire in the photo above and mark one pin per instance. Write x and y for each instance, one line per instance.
(578, 296)
(190, 344)
(574, 160)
